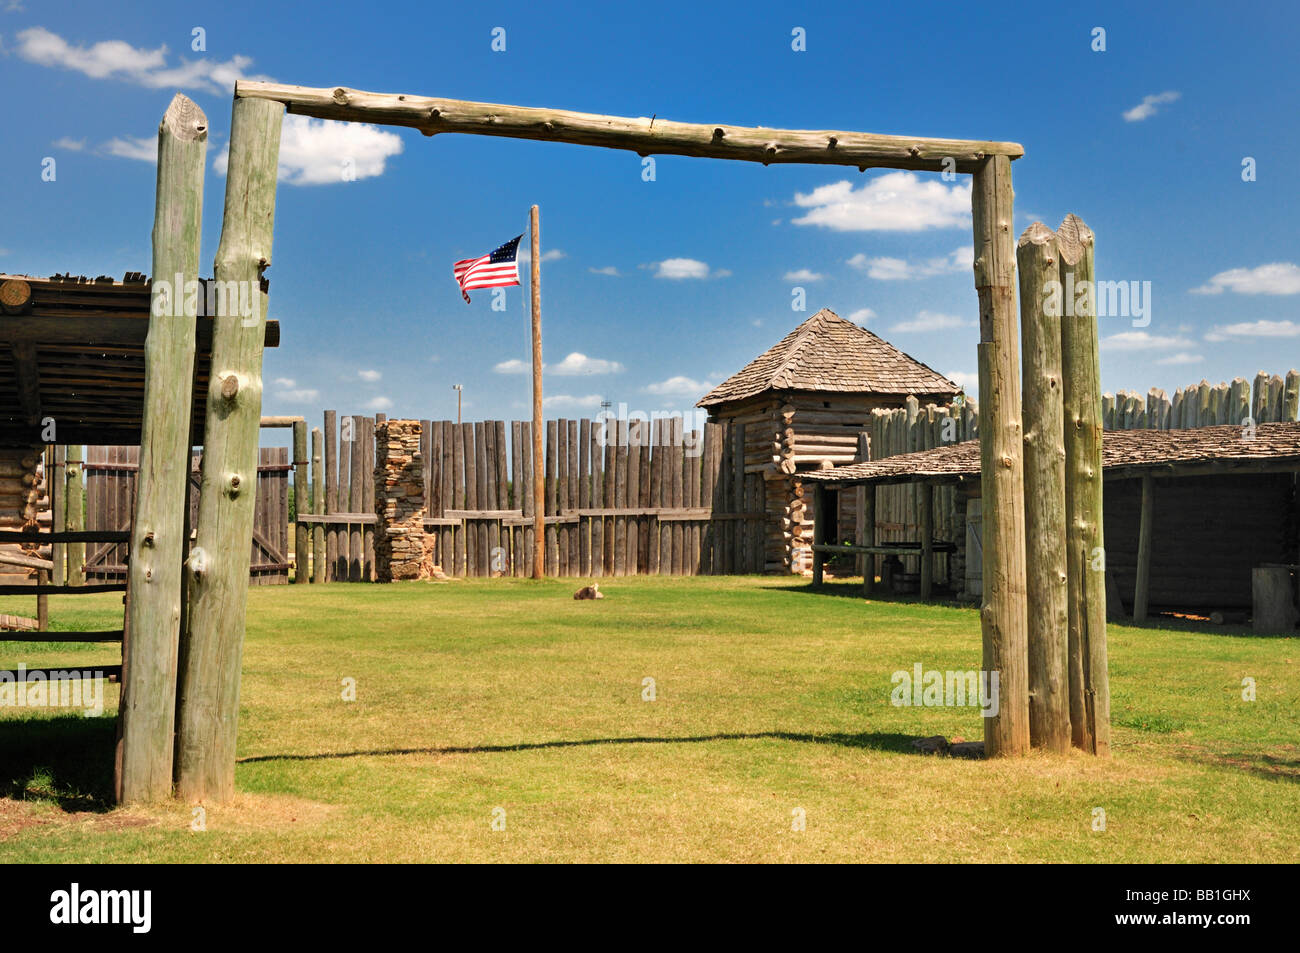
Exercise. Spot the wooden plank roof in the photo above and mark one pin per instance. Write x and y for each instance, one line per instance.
(830, 354)
(74, 351)
(1123, 452)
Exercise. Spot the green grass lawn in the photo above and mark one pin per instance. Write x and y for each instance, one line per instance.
(475, 696)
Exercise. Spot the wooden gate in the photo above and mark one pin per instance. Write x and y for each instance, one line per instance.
(110, 500)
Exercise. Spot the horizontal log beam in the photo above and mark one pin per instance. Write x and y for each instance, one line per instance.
(645, 136)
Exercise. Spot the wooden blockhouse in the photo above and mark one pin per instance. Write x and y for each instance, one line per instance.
(804, 405)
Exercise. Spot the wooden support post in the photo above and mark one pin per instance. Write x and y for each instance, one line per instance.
(1085, 547)
(317, 507)
(819, 531)
(1146, 523)
(869, 538)
(301, 503)
(58, 511)
(75, 495)
(42, 602)
(1003, 615)
(331, 492)
(158, 543)
(356, 493)
(1049, 699)
(927, 540)
(219, 561)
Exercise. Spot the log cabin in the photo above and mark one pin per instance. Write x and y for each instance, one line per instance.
(804, 405)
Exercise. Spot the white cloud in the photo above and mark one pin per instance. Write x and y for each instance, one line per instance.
(367, 375)
(932, 321)
(1254, 329)
(579, 365)
(803, 274)
(67, 142)
(896, 269)
(1182, 357)
(1142, 341)
(721, 273)
(553, 254)
(287, 389)
(129, 147)
(969, 381)
(574, 365)
(379, 403)
(679, 268)
(607, 270)
(1278, 278)
(568, 400)
(323, 152)
(862, 316)
(680, 386)
(895, 201)
(117, 59)
(1147, 108)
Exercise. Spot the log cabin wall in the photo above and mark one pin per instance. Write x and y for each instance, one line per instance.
(1209, 533)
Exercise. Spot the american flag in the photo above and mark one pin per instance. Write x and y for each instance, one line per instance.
(498, 269)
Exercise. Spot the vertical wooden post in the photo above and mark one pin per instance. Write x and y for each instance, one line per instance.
(59, 511)
(368, 573)
(318, 508)
(819, 532)
(154, 572)
(356, 491)
(301, 503)
(539, 482)
(1146, 524)
(869, 538)
(75, 495)
(219, 561)
(1049, 698)
(927, 540)
(1085, 552)
(1003, 615)
(331, 491)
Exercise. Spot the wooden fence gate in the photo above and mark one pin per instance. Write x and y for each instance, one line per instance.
(110, 500)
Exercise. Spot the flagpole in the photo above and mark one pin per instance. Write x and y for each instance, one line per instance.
(539, 481)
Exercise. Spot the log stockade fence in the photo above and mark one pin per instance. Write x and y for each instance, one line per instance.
(638, 497)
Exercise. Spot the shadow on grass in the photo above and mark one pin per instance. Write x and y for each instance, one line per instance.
(876, 741)
(852, 589)
(67, 760)
(1260, 764)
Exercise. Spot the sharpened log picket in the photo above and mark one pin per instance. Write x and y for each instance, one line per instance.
(302, 503)
(1085, 552)
(154, 576)
(1048, 619)
(219, 560)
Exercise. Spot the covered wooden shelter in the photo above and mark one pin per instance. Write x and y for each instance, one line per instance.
(73, 371)
(1189, 514)
(802, 405)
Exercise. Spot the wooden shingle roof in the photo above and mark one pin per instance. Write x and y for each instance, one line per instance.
(830, 354)
(1123, 452)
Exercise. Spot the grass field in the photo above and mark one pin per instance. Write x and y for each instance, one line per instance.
(475, 696)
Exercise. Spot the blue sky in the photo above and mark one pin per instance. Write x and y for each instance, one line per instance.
(666, 286)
